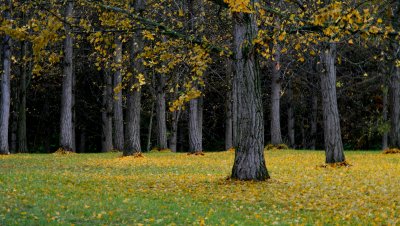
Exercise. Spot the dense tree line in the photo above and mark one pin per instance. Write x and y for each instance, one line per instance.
(98, 76)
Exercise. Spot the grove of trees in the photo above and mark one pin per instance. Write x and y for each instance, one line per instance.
(195, 75)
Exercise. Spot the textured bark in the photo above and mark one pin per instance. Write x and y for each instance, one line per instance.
(276, 136)
(132, 130)
(25, 70)
(106, 114)
(290, 113)
(332, 134)
(162, 142)
(5, 89)
(118, 111)
(195, 144)
(66, 139)
(249, 161)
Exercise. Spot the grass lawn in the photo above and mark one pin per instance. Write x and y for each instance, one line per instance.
(178, 189)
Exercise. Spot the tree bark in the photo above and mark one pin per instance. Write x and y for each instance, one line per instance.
(5, 89)
(195, 144)
(66, 139)
(162, 142)
(332, 134)
(249, 161)
(290, 113)
(132, 130)
(118, 111)
(174, 131)
(106, 114)
(276, 136)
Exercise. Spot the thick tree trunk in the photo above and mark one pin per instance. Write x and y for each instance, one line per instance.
(162, 142)
(276, 136)
(5, 89)
(249, 161)
(333, 138)
(132, 130)
(66, 139)
(106, 114)
(118, 111)
(290, 113)
(22, 141)
(195, 143)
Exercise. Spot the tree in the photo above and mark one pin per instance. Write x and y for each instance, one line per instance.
(106, 114)
(332, 133)
(249, 161)
(66, 130)
(5, 86)
(161, 115)
(118, 111)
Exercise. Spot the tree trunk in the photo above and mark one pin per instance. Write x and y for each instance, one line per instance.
(66, 140)
(162, 142)
(290, 114)
(195, 144)
(22, 141)
(384, 117)
(314, 121)
(333, 138)
(276, 136)
(149, 130)
(106, 114)
(249, 161)
(228, 121)
(395, 109)
(132, 130)
(5, 89)
(118, 112)
(82, 144)
(174, 131)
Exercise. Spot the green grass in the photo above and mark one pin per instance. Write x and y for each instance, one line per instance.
(168, 188)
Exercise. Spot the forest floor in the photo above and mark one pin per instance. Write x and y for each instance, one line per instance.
(167, 188)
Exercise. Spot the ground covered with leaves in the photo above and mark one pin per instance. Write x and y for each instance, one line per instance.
(168, 188)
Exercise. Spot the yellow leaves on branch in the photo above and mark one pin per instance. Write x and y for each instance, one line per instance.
(239, 6)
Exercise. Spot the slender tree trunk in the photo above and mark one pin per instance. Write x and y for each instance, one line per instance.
(228, 121)
(161, 116)
(276, 136)
(234, 111)
(106, 114)
(333, 138)
(174, 131)
(118, 111)
(290, 113)
(395, 84)
(385, 117)
(22, 141)
(150, 128)
(66, 139)
(5, 89)
(249, 161)
(314, 121)
(73, 107)
(82, 144)
(228, 108)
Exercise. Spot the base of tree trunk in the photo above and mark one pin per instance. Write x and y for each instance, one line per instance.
(64, 151)
(134, 155)
(196, 153)
(391, 151)
(336, 165)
